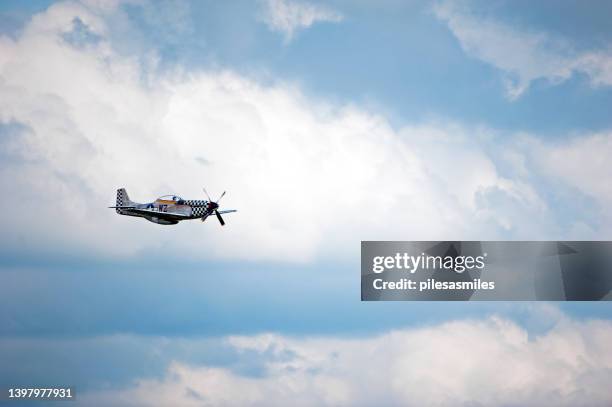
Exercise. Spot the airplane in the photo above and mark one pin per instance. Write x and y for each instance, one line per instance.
(169, 209)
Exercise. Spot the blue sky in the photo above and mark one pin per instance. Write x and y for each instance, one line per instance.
(396, 57)
(328, 124)
(399, 58)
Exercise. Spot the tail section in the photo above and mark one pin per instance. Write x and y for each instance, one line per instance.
(122, 200)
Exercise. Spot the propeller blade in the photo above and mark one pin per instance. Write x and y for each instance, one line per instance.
(220, 218)
(221, 196)
(208, 196)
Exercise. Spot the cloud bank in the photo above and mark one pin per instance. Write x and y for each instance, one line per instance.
(79, 119)
(492, 362)
(523, 55)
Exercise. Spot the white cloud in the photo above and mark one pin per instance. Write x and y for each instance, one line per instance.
(491, 362)
(308, 178)
(289, 16)
(523, 55)
(582, 163)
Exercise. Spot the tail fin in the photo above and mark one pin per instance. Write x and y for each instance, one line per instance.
(122, 199)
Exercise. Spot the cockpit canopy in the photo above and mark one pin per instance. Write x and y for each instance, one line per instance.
(170, 199)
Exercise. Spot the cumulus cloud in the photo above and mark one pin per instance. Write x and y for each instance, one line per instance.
(583, 164)
(492, 362)
(309, 178)
(523, 55)
(289, 16)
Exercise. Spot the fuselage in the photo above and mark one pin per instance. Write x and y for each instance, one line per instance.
(170, 210)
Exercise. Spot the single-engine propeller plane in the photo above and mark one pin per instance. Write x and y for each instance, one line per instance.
(170, 209)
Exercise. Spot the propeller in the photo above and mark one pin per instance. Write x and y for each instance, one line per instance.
(219, 217)
(208, 196)
(214, 205)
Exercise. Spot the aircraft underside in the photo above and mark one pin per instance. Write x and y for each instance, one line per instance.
(159, 221)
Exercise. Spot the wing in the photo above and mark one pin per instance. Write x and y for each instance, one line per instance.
(122, 207)
(158, 214)
(228, 211)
